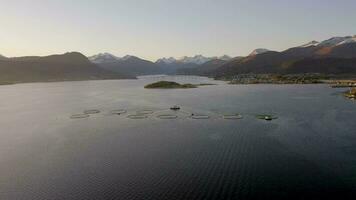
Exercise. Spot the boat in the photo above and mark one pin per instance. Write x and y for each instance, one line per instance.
(175, 107)
(268, 118)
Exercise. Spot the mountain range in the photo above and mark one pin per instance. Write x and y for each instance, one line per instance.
(65, 67)
(198, 59)
(128, 65)
(259, 51)
(336, 55)
(332, 56)
(135, 66)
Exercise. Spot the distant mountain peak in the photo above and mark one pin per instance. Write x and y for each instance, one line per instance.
(225, 57)
(335, 41)
(310, 44)
(169, 60)
(348, 40)
(2, 57)
(197, 59)
(127, 57)
(74, 53)
(103, 58)
(105, 55)
(259, 51)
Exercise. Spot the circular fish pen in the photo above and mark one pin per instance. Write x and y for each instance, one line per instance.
(266, 117)
(137, 117)
(145, 112)
(233, 117)
(195, 116)
(175, 108)
(167, 116)
(79, 116)
(89, 112)
(118, 112)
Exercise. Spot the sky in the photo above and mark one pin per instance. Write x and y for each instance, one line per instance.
(152, 29)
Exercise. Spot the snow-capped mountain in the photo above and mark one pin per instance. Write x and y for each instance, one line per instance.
(127, 65)
(198, 59)
(169, 60)
(310, 44)
(259, 51)
(348, 40)
(335, 41)
(103, 58)
(108, 58)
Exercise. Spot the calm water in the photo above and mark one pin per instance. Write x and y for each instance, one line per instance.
(309, 152)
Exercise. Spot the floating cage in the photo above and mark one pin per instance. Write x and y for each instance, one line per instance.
(167, 116)
(89, 112)
(195, 116)
(233, 117)
(137, 116)
(145, 112)
(79, 116)
(175, 108)
(118, 112)
(266, 117)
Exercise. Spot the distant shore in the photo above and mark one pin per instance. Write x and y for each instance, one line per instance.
(334, 81)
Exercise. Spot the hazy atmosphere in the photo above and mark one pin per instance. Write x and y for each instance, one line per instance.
(177, 99)
(159, 28)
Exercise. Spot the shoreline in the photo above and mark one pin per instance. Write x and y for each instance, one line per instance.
(246, 79)
(333, 80)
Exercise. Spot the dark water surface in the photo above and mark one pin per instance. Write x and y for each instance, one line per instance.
(309, 152)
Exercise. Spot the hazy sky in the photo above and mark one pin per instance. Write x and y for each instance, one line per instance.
(160, 28)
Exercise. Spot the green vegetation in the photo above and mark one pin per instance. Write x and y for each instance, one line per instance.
(65, 67)
(169, 85)
(205, 84)
(6, 83)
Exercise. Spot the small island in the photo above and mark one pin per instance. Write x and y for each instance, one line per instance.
(173, 85)
(169, 85)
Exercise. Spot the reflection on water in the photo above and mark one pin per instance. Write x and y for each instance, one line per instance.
(306, 153)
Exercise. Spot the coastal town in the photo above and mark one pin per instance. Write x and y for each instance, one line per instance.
(278, 79)
(351, 94)
(309, 78)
